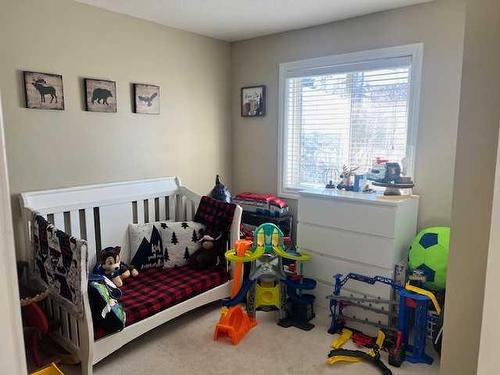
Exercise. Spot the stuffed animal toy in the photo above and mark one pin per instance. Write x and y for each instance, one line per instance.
(207, 255)
(111, 266)
(220, 192)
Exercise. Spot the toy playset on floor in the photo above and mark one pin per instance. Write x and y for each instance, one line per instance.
(414, 321)
(273, 283)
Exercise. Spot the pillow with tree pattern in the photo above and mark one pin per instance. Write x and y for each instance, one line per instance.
(164, 244)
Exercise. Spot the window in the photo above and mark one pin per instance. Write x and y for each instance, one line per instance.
(347, 109)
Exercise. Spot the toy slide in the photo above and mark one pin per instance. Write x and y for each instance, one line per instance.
(234, 322)
(240, 297)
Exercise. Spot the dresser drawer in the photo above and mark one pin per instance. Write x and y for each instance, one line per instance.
(375, 219)
(352, 246)
(323, 268)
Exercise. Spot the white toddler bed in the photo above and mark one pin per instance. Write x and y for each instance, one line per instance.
(100, 214)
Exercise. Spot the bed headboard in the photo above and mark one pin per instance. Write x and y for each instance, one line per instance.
(101, 213)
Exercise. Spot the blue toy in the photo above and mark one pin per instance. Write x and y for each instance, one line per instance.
(414, 307)
(335, 301)
(409, 301)
(413, 313)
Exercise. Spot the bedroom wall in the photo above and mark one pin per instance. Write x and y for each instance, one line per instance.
(439, 25)
(471, 329)
(50, 149)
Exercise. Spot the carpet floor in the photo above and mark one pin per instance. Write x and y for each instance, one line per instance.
(185, 346)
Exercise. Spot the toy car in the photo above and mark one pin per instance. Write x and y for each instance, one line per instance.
(385, 173)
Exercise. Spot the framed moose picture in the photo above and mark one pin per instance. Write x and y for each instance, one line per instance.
(43, 90)
(253, 101)
(100, 95)
(146, 99)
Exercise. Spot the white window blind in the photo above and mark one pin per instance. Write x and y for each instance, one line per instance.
(347, 113)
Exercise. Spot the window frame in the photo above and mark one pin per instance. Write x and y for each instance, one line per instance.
(364, 58)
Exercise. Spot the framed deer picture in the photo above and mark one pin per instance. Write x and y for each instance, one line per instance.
(146, 99)
(43, 90)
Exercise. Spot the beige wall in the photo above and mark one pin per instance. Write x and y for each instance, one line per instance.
(49, 149)
(12, 355)
(439, 25)
(472, 203)
(489, 360)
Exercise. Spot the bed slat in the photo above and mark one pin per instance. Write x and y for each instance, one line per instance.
(57, 314)
(59, 220)
(189, 210)
(74, 219)
(90, 235)
(172, 205)
(64, 324)
(151, 211)
(182, 208)
(74, 330)
(140, 212)
(162, 209)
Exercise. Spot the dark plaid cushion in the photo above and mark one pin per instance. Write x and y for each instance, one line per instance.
(156, 289)
(216, 215)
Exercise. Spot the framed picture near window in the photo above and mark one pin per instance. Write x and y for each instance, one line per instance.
(253, 101)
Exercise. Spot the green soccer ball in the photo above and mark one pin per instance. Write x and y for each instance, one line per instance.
(429, 255)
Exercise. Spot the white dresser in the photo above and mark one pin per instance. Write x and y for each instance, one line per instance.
(355, 232)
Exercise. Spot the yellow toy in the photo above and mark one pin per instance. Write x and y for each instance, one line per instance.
(354, 356)
(342, 339)
(51, 369)
(426, 293)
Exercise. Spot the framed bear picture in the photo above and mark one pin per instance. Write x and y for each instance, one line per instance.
(43, 90)
(146, 99)
(100, 95)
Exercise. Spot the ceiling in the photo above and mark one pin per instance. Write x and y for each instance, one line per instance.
(233, 20)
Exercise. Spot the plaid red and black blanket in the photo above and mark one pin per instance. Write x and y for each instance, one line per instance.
(156, 289)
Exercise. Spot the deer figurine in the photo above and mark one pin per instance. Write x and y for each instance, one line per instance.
(44, 89)
(347, 173)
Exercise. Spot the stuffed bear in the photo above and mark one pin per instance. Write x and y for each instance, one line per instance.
(207, 255)
(110, 265)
